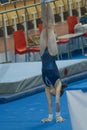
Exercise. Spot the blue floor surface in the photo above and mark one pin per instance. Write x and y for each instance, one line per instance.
(26, 113)
(77, 54)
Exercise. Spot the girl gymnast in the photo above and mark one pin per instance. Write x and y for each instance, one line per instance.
(50, 72)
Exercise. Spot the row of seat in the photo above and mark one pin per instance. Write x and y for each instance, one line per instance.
(74, 3)
(34, 11)
(16, 20)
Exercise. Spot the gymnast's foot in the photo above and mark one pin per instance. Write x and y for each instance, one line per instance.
(45, 120)
(59, 119)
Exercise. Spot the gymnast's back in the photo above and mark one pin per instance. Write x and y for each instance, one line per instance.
(48, 61)
(50, 72)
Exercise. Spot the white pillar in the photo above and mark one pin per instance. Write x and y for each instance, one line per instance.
(61, 13)
(34, 20)
(25, 27)
(70, 8)
(6, 34)
(14, 21)
(79, 10)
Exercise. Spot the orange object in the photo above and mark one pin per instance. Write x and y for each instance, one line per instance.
(20, 44)
(72, 21)
(62, 41)
(40, 26)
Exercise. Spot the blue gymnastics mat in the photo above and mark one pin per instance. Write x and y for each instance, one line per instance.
(26, 113)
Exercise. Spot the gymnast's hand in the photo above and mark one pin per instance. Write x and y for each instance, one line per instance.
(45, 120)
(59, 119)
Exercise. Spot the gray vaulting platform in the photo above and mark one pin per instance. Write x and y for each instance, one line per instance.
(77, 104)
(17, 79)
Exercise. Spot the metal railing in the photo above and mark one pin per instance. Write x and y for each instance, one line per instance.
(15, 9)
(3, 24)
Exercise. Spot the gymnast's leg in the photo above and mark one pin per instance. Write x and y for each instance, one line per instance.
(49, 100)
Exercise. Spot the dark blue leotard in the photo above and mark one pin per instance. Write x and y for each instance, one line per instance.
(50, 72)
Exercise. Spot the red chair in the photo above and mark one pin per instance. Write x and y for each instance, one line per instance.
(20, 44)
(85, 34)
(60, 43)
(72, 21)
(40, 26)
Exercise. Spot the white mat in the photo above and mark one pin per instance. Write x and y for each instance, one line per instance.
(77, 102)
(13, 72)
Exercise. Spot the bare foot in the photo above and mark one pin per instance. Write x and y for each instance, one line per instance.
(59, 119)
